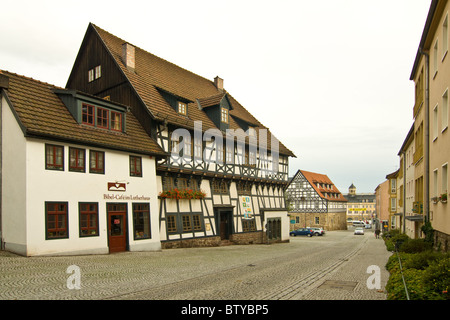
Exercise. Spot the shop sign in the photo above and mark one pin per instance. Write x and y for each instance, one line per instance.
(112, 196)
(117, 186)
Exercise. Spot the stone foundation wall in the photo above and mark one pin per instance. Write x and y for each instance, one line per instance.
(247, 238)
(192, 243)
(441, 241)
(328, 221)
(257, 237)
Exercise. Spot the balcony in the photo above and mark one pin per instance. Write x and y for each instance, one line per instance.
(417, 106)
(418, 154)
(418, 207)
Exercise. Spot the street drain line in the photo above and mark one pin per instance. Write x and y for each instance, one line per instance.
(309, 280)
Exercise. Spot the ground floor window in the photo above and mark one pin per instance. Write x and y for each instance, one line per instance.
(56, 220)
(248, 225)
(171, 223)
(184, 223)
(192, 222)
(187, 223)
(141, 221)
(88, 219)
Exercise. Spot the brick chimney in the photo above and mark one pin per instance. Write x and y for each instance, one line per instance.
(4, 81)
(218, 82)
(128, 56)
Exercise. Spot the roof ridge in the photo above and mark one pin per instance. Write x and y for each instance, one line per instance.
(148, 52)
(6, 72)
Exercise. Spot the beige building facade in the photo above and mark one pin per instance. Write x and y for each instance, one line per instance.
(409, 220)
(429, 138)
(437, 46)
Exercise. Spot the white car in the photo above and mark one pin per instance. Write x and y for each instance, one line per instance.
(359, 230)
(318, 231)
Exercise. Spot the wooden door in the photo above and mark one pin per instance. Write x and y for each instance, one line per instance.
(225, 224)
(117, 227)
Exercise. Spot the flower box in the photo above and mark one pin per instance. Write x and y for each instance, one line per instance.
(182, 194)
(443, 197)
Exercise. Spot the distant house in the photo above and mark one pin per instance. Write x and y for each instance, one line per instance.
(314, 201)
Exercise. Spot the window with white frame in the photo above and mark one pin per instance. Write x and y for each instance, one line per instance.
(445, 37)
(445, 178)
(393, 204)
(393, 186)
(445, 110)
(95, 73)
(435, 183)
(435, 123)
(182, 108)
(224, 115)
(435, 58)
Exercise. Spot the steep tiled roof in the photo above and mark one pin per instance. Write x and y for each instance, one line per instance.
(315, 178)
(152, 73)
(42, 114)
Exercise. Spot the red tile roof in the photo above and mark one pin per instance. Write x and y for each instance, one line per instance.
(314, 178)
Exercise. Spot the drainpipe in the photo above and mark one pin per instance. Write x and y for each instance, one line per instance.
(427, 136)
(404, 192)
(1, 174)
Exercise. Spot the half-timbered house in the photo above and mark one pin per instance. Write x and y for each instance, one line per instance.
(225, 174)
(314, 201)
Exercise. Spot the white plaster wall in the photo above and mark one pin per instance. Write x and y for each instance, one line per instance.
(74, 187)
(284, 222)
(13, 183)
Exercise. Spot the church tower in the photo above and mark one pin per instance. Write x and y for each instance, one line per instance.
(352, 189)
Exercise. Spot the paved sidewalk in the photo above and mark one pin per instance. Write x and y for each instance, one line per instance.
(355, 270)
(135, 274)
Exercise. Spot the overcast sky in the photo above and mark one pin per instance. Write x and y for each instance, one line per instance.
(330, 78)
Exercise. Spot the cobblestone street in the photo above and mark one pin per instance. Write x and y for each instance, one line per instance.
(332, 267)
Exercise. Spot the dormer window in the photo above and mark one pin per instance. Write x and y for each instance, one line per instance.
(224, 115)
(87, 114)
(95, 112)
(116, 121)
(182, 108)
(101, 117)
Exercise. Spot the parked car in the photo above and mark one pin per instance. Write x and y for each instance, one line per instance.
(359, 224)
(318, 231)
(302, 232)
(359, 230)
